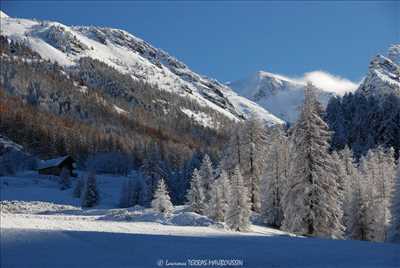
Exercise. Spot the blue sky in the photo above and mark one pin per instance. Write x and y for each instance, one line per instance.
(231, 40)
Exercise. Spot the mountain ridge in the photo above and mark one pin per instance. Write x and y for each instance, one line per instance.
(279, 94)
(130, 55)
(283, 96)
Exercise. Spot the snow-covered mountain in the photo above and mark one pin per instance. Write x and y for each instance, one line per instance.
(383, 75)
(129, 55)
(280, 95)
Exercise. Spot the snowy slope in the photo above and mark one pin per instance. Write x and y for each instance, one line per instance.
(130, 55)
(63, 242)
(3, 15)
(49, 229)
(278, 94)
(383, 75)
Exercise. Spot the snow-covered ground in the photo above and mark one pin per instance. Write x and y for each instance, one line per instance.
(42, 226)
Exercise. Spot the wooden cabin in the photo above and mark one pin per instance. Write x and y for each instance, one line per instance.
(56, 165)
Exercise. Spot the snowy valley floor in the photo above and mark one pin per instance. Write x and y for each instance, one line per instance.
(44, 227)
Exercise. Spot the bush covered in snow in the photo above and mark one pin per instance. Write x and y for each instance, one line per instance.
(179, 216)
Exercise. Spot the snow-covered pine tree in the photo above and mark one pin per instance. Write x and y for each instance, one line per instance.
(312, 203)
(274, 180)
(153, 167)
(337, 121)
(161, 201)
(377, 169)
(78, 188)
(195, 195)
(253, 158)
(90, 196)
(357, 220)
(394, 233)
(341, 178)
(65, 181)
(384, 184)
(237, 216)
(220, 191)
(232, 154)
(206, 173)
(350, 183)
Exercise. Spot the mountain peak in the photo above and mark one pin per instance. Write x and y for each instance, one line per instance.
(394, 53)
(278, 94)
(3, 15)
(384, 74)
(132, 56)
(277, 77)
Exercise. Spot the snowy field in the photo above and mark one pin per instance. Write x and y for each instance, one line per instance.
(42, 226)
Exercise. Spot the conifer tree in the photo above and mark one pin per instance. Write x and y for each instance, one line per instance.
(195, 195)
(237, 216)
(394, 234)
(274, 180)
(90, 196)
(161, 201)
(206, 173)
(220, 191)
(313, 200)
(350, 183)
(356, 223)
(365, 218)
(232, 154)
(253, 149)
(377, 170)
(386, 174)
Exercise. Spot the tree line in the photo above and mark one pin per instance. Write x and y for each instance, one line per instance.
(297, 183)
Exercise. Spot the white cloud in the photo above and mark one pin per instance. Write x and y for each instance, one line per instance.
(329, 82)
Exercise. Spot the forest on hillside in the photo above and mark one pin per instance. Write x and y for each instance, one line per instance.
(333, 174)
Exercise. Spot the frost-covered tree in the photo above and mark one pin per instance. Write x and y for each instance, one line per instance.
(232, 154)
(386, 172)
(253, 149)
(78, 188)
(341, 177)
(220, 191)
(377, 170)
(195, 195)
(90, 196)
(395, 209)
(65, 180)
(237, 216)
(365, 122)
(161, 201)
(312, 203)
(350, 180)
(154, 168)
(357, 223)
(274, 180)
(206, 173)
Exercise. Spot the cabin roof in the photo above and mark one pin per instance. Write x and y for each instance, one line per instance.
(52, 162)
